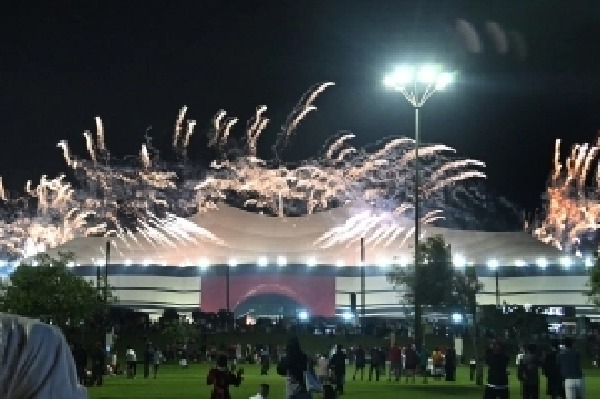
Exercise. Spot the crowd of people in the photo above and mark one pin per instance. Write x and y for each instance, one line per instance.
(37, 362)
(560, 364)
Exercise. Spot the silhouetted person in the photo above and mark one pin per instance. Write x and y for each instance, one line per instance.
(359, 362)
(497, 383)
(375, 363)
(450, 364)
(221, 378)
(569, 361)
(338, 365)
(158, 358)
(131, 359)
(35, 361)
(529, 374)
(265, 362)
(80, 356)
(294, 365)
(395, 363)
(98, 364)
(411, 359)
(148, 359)
(551, 370)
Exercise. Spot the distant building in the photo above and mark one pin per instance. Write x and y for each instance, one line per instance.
(282, 257)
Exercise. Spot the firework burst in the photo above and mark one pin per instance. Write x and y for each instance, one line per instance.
(143, 200)
(572, 209)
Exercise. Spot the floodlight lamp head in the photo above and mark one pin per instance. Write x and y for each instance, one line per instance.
(428, 74)
(443, 80)
(401, 77)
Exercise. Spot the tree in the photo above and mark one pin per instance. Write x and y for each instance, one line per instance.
(594, 283)
(169, 317)
(180, 332)
(440, 284)
(50, 291)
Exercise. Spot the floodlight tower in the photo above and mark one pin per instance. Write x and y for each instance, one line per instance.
(417, 84)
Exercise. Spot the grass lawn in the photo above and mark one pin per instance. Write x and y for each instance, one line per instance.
(175, 382)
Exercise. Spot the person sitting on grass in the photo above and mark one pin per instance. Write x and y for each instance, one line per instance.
(263, 392)
(221, 378)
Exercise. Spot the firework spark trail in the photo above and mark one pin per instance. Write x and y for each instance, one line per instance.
(300, 111)
(338, 144)
(189, 132)
(100, 134)
(89, 144)
(145, 157)
(178, 122)
(220, 132)
(254, 128)
(2, 191)
(572, 209)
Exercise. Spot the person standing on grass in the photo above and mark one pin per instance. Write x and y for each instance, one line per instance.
(295, 364)
(359, 362)
(395, 363)
(158, 358)
(438, 363)
(423, 360)
(130, 359)
(529, 374)
(80, 356)
(148, 359)
(450, 364)
(497, 383)
(569, 361)
(551, 370)
(98, 364)
(410, 362)
(375, 361)
(265, 363)
(322, 369)
(338, 364)
(221, 378)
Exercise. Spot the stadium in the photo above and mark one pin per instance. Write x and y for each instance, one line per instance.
(312, 263)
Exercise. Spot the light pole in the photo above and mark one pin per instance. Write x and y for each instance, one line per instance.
(362, 284)
(418, 84)
(494, 266)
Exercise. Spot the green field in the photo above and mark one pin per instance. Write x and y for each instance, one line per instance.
(175, 382)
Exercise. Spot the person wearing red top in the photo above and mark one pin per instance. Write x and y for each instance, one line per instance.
(221, 378)
(395, 363)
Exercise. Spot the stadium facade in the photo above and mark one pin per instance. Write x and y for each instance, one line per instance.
(260, 255)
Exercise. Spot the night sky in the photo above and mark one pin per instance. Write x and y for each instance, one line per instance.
(136, 63)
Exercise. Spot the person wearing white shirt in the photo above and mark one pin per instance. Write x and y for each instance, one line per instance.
(322, 370)
(520, 355)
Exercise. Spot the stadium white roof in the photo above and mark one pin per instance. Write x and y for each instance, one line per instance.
(237, 236)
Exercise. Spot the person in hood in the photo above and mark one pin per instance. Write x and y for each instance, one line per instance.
(35, 361)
